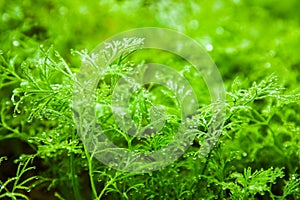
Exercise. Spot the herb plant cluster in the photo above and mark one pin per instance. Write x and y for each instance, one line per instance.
(255, 45)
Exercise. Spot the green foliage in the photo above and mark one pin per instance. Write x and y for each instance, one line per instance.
(17, 187)
(291, 187)
(249, 184)
(255, 45)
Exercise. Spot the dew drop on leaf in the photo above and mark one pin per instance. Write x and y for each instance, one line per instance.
(16, 43)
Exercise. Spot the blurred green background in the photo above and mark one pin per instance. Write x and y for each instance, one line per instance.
(243, 37)
(249, 39)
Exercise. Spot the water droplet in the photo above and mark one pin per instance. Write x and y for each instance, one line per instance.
(268, 65)
(194, 24)
(220, 30)
(209, 47)
(16, 43)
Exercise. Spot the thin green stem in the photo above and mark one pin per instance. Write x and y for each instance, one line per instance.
(110, 182)
(74, 178)
(90, 166)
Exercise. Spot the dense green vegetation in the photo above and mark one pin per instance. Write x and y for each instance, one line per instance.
(255, 45)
